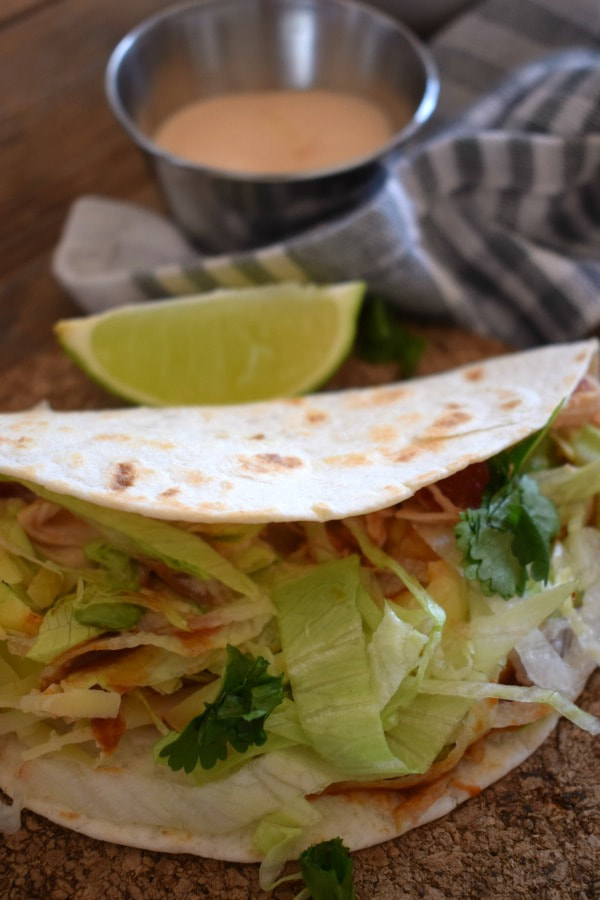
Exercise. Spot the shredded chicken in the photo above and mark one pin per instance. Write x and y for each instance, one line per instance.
(419, 508)
(583, 406)
(207, 593)
(511, 714)
(57, 533)
(440, 498)
(414, 515)
(376, 528)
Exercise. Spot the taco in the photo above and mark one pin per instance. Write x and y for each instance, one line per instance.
(239, 631)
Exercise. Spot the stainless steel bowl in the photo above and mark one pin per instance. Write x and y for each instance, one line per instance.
(203, 49)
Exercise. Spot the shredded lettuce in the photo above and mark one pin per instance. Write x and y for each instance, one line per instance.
(419, 732)
(583, 444)
(393, 652)
(60, 631)
(569, 484)
(473, 690)
(73, 704)
(279, 837)
(12, 536)
(435, 612)
(324, 646)
(135, 535)
(494, 636)
(15, 613)
(120, 568)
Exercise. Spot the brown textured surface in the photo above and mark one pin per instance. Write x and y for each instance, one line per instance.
(536, 832)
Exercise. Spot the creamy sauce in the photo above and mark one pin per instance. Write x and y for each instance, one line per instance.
(270, 132)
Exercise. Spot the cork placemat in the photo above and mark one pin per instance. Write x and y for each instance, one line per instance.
(534, 833)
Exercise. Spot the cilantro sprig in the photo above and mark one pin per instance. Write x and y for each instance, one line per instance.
(236, 717)
(382, 339)
(327, 870)
(507, 540)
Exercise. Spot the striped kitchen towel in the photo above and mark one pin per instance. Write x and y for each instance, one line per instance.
(491, 221)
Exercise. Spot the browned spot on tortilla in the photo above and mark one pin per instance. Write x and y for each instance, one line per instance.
(212, 505)
(315, 416)
(348, 460)
(407, 454)
(195, 477)
(269, 462)
(406, 807)
(475, 752)
(411, 805)
(471, 789)
(123, 476)
(76, 460)
(160, 445)
(511, 404)
(257, 437)
(475, 374)
(453, 406)
(32, 423)
(384, 397)
(450, 420)
(227, 485)
(581, 356)
(70, 814)
(382, 434)
(170, 492)
(17, 442)
(112, 437)
(294, 401)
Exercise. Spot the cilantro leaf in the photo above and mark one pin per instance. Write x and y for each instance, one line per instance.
(109, 616)
(122, 572)
(510, 462)
(236, 717)
(507, 540)
(488, 556)
(327, 870)
(381, 339)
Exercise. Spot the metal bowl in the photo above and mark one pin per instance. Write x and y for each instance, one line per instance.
(203, 49)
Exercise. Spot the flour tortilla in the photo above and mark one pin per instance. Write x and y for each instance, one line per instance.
(326, 456)
(321, 457)
(138, 808)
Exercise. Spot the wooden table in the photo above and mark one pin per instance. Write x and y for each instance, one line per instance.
(58, 140)
(536, 832)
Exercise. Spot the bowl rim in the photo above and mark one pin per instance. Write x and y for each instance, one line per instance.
(422, 113)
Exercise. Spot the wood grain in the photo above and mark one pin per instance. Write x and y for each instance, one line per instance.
(12, 10)
(58, 140)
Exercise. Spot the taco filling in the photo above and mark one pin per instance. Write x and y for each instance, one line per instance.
(241, 678)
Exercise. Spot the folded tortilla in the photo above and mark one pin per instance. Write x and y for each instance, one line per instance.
(316, 459)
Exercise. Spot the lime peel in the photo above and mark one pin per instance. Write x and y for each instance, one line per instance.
(227, 346)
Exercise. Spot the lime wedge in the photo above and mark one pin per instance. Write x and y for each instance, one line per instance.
(227, 346)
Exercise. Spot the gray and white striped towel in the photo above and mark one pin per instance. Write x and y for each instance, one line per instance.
(491, 221)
